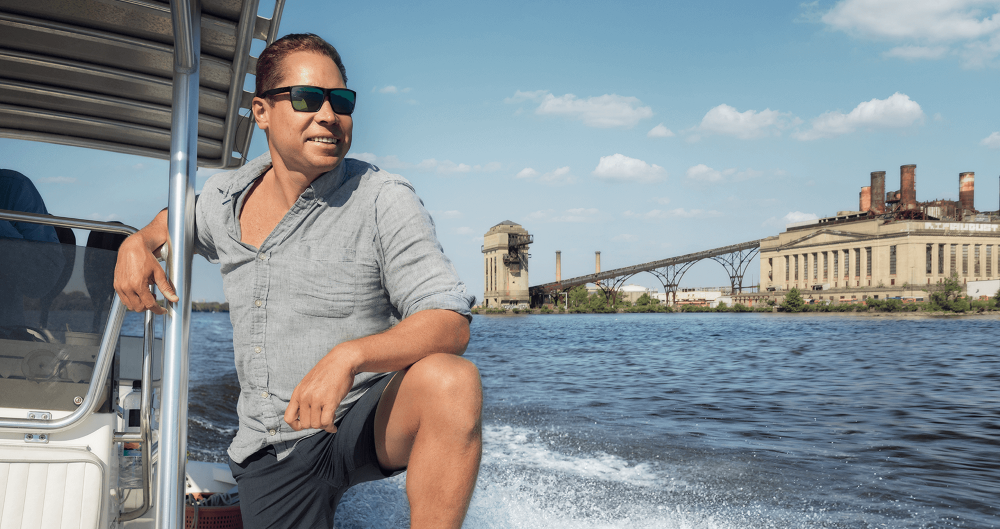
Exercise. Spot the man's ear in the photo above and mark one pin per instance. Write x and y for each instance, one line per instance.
(260, 109)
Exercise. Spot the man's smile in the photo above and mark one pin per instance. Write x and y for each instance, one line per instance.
(324, 139)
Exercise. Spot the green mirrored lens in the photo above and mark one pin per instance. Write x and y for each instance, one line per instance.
(307, 98)
(342, 101)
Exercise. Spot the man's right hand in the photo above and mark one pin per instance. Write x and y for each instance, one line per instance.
(138, 268)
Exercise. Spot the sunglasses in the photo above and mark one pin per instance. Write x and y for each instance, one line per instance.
(310, 98)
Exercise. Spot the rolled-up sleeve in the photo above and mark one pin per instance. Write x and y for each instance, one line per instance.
(415, 271)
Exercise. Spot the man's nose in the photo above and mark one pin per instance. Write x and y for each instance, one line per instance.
(325, 114)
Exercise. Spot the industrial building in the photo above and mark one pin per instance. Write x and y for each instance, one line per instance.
(892, 246)
(505, 258)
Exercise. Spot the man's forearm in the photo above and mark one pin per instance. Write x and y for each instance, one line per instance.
(137, 267)
(422, 334)
(156, 233)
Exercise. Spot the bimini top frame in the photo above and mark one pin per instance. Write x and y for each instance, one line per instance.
(98, 74)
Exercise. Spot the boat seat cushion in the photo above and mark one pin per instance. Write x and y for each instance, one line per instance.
(50, 487)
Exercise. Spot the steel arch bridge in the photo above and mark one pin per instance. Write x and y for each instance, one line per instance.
(735, 258)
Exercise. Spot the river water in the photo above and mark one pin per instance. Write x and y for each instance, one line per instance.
(702, 421)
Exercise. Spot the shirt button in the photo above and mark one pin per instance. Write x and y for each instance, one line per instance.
(256, 349)
(264, 394)
(272, 431)
(258, 303)
(263, 257)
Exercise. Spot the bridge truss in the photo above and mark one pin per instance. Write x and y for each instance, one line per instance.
(735, 258)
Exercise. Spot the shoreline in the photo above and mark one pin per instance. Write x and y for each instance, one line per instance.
(920, 314)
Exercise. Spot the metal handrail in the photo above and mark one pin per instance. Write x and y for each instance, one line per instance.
(105, 356)
(66, 222)
(145, 423)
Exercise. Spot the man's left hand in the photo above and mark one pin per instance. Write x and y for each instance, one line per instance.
(315, 400)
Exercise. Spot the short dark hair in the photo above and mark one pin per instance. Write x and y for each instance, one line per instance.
(269, 72)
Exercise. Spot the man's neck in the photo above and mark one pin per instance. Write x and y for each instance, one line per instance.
(285, 185)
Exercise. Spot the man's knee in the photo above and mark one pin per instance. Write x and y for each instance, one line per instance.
(450, 383)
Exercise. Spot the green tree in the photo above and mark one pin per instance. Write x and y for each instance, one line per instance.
(578, 297)
(793, 301)
(996, 298)
(947, 293)
(644, 300)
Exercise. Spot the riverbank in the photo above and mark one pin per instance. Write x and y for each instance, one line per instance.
(846, 310)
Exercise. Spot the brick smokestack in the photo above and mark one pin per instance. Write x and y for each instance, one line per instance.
(967, 191)
(908, 187)
(878, 192)
(558, 266)
(865, 199)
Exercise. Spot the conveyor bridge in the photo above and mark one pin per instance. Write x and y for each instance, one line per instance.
(735, 258)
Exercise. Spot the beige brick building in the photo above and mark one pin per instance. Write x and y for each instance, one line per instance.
(505, 259)
(852, 257)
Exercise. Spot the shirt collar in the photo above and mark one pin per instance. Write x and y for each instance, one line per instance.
(246, 175)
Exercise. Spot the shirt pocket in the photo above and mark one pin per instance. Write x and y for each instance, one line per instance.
(323, 282)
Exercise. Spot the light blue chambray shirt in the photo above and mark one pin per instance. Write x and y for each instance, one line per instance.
(355, 254)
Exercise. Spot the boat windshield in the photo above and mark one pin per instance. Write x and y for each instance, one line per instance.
(54, 303)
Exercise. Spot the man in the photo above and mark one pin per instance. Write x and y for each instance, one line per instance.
(348, 319)
(27, 268)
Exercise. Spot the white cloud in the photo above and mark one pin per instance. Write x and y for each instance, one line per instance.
(606, 111)
(917, 52)
(702, 173)
(929, 29)
(57, 180)
(992, 141)
(798, 216)
(661, 200)
(621, 168)
(449, 214)
(382, 162)
(527, 172)
(533, 95)
(539, 215)
(659, 131)
(570, 215)
(726, 120)
(693, 213)
(448, 167)
(896, 111)
(934, 20)
(576, 215)
(791, 217)
(390, 89)
(560, 176)
(673, 213)
(464, 230)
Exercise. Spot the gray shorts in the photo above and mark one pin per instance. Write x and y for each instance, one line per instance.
(303, 489)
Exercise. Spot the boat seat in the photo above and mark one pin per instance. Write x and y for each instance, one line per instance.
(51, 487)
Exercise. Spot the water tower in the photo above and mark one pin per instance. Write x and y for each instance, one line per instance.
(505, 258)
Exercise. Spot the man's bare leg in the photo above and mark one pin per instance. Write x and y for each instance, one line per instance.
(429, 420)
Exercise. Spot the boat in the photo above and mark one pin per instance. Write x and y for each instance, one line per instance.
(93, 424)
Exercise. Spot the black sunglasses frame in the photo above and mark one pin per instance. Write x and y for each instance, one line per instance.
(328, 94)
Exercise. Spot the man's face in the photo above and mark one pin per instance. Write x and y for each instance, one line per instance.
(310, 143)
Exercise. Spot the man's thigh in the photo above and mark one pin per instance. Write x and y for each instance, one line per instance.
(304, 488)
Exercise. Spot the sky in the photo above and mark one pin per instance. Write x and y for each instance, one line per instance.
(643, 130)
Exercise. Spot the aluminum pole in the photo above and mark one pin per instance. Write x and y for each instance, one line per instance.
(186, 16)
